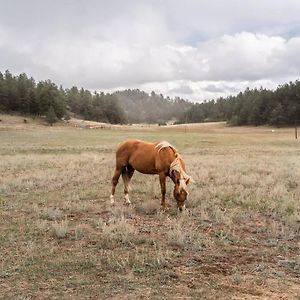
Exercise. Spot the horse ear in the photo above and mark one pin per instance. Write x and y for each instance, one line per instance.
(190, 180)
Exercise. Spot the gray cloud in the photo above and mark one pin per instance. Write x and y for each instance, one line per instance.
(187, 48)
(183, 89)
(213, 88)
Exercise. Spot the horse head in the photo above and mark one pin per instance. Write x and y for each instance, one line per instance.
(181, 181)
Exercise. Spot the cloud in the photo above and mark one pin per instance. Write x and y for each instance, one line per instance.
(243, 56)
(107, 64)
(214, 88)
(183, 89)
(192, 49)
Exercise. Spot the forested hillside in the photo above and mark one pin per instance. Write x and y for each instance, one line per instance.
(252, 107)
(140, 107)
(22, 94)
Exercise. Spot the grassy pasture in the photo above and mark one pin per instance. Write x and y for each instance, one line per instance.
(60, 238)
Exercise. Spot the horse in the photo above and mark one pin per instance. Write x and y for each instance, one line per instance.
(151, 158)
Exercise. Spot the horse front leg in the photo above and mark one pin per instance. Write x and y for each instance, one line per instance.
(162, 181)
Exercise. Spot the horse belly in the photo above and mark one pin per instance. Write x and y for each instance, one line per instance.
(146, 171)
(143, 164)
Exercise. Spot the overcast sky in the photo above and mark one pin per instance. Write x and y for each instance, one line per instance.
(195, 49)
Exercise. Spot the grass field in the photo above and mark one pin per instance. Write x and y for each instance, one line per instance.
(61, 239)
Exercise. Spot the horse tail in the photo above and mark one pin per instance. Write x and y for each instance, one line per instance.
(126, 178)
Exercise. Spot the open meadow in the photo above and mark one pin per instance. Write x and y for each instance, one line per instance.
(61, 239)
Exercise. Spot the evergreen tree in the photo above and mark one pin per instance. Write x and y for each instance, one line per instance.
(51, 117)
(10, 91)
(113, 110)
(48, 95)
(3, 96)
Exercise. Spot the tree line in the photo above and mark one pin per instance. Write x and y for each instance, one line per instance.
(22, 94)
(280, 107)
(252, 107)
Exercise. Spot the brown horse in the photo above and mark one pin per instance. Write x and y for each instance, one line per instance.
(151, 158)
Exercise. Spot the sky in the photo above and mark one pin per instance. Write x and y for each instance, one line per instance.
(196, 50)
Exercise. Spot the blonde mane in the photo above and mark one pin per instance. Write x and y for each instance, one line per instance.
(175, 165)
(165, 144)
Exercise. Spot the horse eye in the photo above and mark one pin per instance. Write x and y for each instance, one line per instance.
(177, 181)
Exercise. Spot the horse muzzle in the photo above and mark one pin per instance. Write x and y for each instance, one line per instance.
(182, 208)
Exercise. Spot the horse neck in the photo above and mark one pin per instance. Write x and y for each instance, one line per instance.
(176, 163)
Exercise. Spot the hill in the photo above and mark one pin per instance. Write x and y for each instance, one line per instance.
(141, 107)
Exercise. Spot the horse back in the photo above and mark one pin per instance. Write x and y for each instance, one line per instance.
(143, 156)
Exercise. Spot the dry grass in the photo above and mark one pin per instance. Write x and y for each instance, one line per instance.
(117, 230)
(148, 207)
(60, 229)
(60, 238)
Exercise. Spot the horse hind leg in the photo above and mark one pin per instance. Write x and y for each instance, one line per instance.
(114, 183)
(127, 174)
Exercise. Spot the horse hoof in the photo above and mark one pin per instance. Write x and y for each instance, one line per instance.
(112, 200)
(164, 208)
(126, 200)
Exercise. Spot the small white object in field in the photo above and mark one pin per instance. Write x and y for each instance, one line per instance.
(273, 130)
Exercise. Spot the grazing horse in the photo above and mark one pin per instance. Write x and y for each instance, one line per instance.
(151, 158)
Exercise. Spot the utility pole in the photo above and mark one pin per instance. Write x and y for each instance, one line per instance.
(296, 131)
(295, 121)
